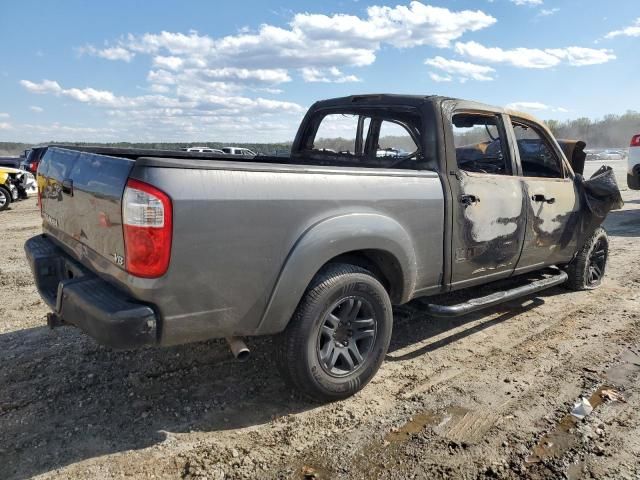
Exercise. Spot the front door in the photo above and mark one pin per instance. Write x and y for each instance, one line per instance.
(488, 206)
(553, 208)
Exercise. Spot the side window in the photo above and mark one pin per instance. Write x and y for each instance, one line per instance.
(337, 134)
(479, 144)
(537, 157)
(394, 141)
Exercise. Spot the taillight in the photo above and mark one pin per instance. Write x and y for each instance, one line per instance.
(147, 222)
(635, 141)
(33, 167)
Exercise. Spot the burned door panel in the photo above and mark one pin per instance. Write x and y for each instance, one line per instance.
(554, 214)
(487, 206)
(489, 228)
(552, 198)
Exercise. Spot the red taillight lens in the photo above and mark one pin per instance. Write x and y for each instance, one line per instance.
(635, 141)
(148, 228)
(33, 167)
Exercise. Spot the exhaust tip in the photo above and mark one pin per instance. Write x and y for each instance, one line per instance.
(238, 348)
(243, 355)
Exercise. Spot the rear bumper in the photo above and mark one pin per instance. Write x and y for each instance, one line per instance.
(78, 297)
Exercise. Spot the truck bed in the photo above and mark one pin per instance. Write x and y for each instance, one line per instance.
(236, 224)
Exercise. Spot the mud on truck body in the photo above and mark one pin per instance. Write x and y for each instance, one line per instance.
(164, 248)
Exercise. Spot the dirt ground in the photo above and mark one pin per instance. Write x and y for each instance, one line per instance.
(485, 395)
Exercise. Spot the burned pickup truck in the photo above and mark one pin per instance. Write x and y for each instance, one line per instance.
(383, 199)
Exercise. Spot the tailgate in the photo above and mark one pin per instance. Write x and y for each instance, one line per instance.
(81, 199)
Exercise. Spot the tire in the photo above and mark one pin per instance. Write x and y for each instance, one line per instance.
(587, 270)
(338, 335)
(5, 198)
(633, 181)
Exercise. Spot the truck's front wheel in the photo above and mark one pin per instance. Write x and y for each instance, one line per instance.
(586, 271)
(339, 334)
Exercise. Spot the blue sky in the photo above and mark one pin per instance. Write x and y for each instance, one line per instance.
(247, 70)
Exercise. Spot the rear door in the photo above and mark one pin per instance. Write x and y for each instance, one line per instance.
(81, 200)
(552, 200)
(488, 206)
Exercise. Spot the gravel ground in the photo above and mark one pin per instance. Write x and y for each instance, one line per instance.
(485, 395)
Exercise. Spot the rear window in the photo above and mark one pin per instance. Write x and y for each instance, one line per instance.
(373, 137)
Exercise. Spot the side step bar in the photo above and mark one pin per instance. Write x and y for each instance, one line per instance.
(495, 298)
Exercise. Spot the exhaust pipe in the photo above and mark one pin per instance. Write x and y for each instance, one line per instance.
(54, 320)
(238, 348)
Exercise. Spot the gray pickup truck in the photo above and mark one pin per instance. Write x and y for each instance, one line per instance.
(165, 248)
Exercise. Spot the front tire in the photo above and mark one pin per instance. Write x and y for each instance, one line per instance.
(5, 198)
(587, 270)
(338, 336)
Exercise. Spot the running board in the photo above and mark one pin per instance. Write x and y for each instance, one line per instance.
(495, 298)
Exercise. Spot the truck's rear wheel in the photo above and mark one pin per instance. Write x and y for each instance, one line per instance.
(5, 198)
(586, 271)
(339, 334)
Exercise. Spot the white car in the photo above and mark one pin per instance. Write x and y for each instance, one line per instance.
(239, 151)
(633, 174)
(203, 150)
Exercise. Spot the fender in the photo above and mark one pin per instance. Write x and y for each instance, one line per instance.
(326, 240)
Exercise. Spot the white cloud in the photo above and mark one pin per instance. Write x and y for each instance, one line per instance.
(534, 107)
(46, 86)
(545, 12)
(170, 62)
(5, 126)
(4, 115)
(463, 70)
(632, 30)
(530, 3)
(110, 53)
(326, 75)
(36, 109)
(193, 98)
(312, 40)
(534, 57)
(440, 78)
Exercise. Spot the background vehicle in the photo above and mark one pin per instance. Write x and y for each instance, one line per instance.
(238, 151)
(31, 161)
(12, 162)
(12, 186)
(633, 174)
(315, 248)
(203, 150)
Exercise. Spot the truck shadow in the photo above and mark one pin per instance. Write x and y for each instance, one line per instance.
(64, 399)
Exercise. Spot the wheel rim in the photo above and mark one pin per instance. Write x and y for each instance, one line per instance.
(597, 262)
(346, 337)
(3, 198)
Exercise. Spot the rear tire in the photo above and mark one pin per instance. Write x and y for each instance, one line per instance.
(633, 181)
(338, 336)
(5, 198)
(587, 270)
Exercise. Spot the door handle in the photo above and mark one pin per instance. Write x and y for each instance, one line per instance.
(468, 200)
(67, 186)
(538, 197)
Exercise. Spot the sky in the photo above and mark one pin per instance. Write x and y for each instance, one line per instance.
(233, 71)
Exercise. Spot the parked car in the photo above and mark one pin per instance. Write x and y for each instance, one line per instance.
(317, 247)
(12, 162)
(203, 150)
(612, 155)
(31, 161)
(239, 151)
(13, 186)
(633, 173)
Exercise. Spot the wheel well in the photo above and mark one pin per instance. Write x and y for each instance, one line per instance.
(382, 264)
